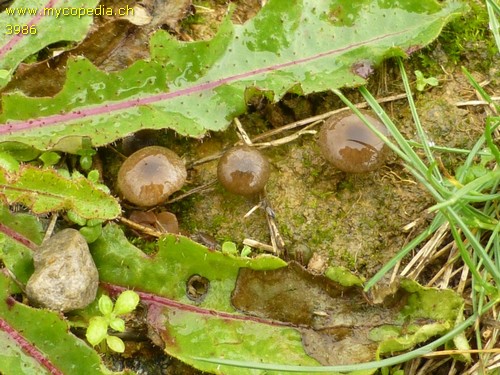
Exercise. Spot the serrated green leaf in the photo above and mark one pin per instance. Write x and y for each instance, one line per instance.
(19, 235)
(23, 223)
(43, 25)
(165, 274)
(245, 309)
(299, 45)
(32, 341)
(45, 190)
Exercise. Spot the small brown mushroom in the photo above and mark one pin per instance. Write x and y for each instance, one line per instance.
(243, 170)
(350, 145)
(167, 222)
(163, 221)
(149, 176)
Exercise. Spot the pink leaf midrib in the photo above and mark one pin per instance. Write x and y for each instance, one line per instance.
(11, 128)
(18, 37)
(27, 346)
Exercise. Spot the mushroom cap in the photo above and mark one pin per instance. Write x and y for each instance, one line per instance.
(149, 176)
(243, 170)
(348, 144)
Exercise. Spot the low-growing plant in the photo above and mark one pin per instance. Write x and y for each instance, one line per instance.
(97, 330)
(423, 81)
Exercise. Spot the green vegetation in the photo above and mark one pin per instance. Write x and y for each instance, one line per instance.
(97, 330)
(316, 207)
(465, 40)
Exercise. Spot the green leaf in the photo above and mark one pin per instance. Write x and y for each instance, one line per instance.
(35, 341)
(246, 251)
(19, 235)
(167, 272)
(97, 330)
(93, 175)
(91, 233)
(118, 324)
(229, 248)
(8, 162)
(75, 218)
(115, 344)
(423, 81)
(49, 158)
(421, 304)
(86, 162)
(205, 304)
(297, 45)
(45, 190)
(343, 276)
(126, 302)
(20, 151)
(23, 223)
(105, 305)
(45, 29)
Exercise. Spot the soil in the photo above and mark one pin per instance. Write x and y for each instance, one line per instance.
(353, 220)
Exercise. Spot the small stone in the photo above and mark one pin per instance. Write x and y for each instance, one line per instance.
(65, 276)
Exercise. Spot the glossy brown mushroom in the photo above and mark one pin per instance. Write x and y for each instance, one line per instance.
(243, 170)
(149, 176)
(348, 144)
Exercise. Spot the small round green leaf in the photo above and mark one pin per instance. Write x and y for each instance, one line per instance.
(86, 162)
(118, 324)
(105, 305)
(75, 218)
(90, 233)
(97, 330)
(126, 302)
(115, 344)
(49, 158)
(229, 247)
(93, 175)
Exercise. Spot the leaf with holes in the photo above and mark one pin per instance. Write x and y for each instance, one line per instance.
(298, 46)
(45, 190)
(27, 27)
(204, 304)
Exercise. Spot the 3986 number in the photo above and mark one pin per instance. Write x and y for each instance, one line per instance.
(20, 29)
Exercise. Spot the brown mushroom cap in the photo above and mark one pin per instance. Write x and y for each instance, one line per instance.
(350, 145)
(243, 170)
(149, 176)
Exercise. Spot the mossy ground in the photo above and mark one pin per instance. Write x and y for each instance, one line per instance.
(356, 221)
